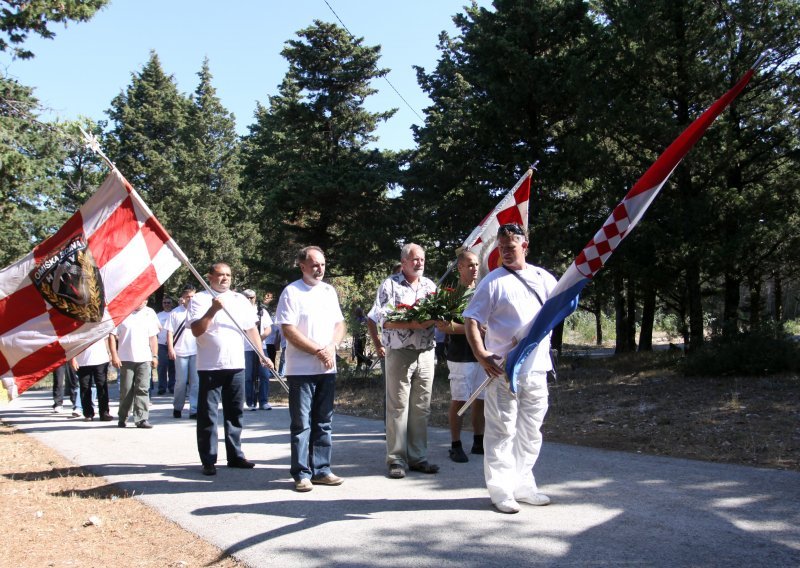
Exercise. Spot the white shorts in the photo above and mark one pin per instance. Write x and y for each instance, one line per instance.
(465, 378)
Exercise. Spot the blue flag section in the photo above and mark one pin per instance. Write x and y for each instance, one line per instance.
(564, 298)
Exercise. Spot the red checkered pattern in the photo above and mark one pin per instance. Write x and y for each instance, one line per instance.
(131, 250)
(512, 209)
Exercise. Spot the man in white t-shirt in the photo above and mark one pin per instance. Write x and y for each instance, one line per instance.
(182, 349)
(312, 322)
(217, 322)
(166, 366)
(91, 364)
(504, 304)
(135, 357)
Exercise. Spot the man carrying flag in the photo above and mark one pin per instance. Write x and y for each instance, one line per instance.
(504, 304)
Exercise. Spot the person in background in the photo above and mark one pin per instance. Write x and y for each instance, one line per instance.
(464, 371)
(65, 381)
(135, 357)
(166, 366)
(91, 366)
(182, 349)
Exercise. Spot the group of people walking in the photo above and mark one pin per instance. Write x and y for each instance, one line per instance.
(206, 337)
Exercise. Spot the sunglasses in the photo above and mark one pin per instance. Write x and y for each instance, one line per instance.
(510, 228)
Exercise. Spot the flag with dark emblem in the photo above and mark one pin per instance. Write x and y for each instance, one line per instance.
(77, 285)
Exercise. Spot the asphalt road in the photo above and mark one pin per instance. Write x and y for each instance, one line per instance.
(609, 508)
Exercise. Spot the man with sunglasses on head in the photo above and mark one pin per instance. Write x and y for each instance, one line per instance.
(502, 307)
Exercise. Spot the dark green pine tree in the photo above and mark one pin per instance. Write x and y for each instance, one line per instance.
(30, 157)
(146, 140)
(209, 215)
(506, 92)
(308, 166)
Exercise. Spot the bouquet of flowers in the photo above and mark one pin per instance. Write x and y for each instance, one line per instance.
(446, 304)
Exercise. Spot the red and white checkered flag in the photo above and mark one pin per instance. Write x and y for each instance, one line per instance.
(77, 285)
(513, 208)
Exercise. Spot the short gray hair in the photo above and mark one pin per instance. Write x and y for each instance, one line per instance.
(406, 250)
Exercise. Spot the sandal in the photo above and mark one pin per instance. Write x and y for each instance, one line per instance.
(424, 467)
(396, 471)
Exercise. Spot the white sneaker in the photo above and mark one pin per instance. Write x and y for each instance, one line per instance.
(58, 409)
(535, 499)
(76, 414)
(508, 506)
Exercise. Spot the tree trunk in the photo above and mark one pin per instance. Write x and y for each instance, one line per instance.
(730, 310)
(598, 326)
(621, 324)
(695, 305)
(648, 317)
(778, 297)
(755, 303)
(557, 337)
(630, 336)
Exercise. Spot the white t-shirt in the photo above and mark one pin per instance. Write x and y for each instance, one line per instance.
(506, 306)
(254, 323)
(95, 354)
(267, 326)
(314, 311)
(185, 344)
(222, 344)
(134, 335)
(162, 320)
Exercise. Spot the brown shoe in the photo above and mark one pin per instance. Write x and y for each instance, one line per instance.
(303, 485)
(329, 479)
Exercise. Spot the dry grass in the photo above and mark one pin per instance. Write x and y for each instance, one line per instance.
(55, 514)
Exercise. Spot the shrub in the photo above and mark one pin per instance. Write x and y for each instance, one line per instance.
(762, 352)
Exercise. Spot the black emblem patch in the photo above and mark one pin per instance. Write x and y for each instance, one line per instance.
(70, 281)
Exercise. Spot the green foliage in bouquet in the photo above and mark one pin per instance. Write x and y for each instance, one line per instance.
(447, 304)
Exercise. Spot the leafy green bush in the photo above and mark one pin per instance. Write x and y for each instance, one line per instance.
(757, 353)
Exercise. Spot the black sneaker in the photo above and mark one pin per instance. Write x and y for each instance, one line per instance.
(209, 469)
(176, 413)
(477, 450)
(458, 455)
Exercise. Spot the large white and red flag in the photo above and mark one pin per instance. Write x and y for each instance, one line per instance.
(77, 285)
(563, 299)
(513, 208)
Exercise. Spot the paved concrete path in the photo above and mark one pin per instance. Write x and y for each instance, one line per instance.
(609, 508)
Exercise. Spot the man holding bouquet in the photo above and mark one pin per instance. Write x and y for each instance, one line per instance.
(409, 365)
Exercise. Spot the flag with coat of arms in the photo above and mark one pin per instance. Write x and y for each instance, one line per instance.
(76, 286)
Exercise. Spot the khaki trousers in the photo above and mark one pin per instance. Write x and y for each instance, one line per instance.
(409, 381)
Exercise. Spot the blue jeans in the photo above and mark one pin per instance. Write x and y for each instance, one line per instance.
(185, 374)
(253, 369)
(226, 385)
(166, 370)
(311, 413)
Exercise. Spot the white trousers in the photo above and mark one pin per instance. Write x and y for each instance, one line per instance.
(512, 438)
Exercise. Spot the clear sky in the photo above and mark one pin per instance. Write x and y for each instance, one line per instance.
(87, 64)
